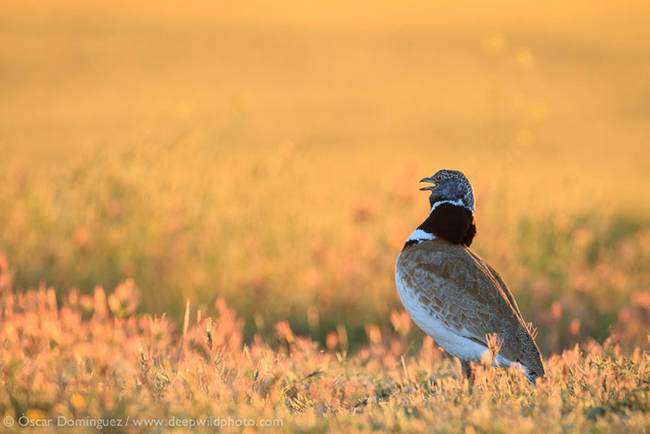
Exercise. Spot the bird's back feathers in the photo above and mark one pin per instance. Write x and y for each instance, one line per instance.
(462, 291)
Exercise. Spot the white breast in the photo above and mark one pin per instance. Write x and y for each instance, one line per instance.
(450, 340)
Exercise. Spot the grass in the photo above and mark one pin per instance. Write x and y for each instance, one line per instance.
(91, 360)
(268, 156)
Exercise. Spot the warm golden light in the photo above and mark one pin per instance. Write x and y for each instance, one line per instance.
(266, 155)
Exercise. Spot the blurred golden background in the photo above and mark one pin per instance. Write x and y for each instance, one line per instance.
(269, 153)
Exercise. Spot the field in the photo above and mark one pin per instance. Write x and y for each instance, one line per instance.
(88, 362)
(200, 208)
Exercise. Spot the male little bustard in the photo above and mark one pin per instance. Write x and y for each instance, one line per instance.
(451, 293)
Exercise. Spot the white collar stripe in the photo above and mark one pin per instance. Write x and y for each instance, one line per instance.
(457, 202)
(420, 235)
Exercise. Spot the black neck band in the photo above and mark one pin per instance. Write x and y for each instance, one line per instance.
(452, 223)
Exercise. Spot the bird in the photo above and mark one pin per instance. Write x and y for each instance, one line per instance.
(454, 295)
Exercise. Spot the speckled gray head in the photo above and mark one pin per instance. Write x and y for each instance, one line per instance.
(452, 186)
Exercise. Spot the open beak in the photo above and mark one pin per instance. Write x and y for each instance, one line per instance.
(428, 187)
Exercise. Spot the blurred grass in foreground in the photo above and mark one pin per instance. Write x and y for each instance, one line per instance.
(272, 158)
(90, 357)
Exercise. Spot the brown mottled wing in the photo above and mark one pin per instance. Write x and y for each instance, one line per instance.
(464, 292)
(500, 281)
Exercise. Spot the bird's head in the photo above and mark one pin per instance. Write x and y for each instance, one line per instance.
(450, 185)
